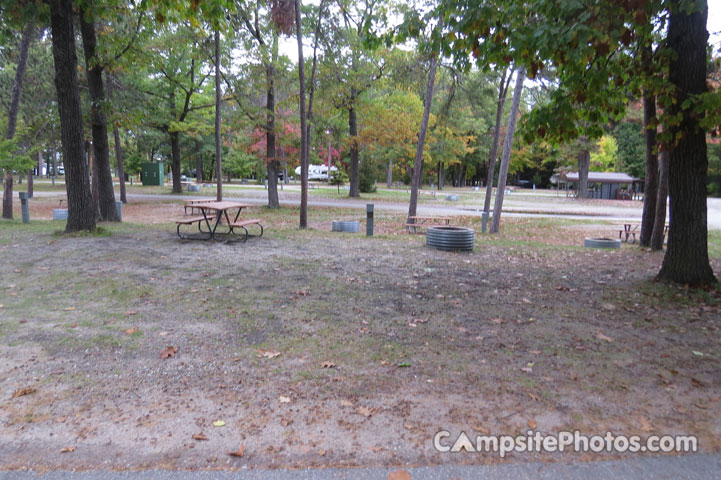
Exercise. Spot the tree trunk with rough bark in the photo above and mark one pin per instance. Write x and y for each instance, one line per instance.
(118, 150)
(659, 224)
(584, 164)
(418, 164)
(650, 190)
(272, 162)
(175, 161)
(99, 122)
(686, 260)
(218, 144)
(303, 122)
(81, 214)
(353, 132)
(502, 92)
(13, 115)
(507, 146)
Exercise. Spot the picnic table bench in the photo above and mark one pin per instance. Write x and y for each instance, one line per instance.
(416, 222)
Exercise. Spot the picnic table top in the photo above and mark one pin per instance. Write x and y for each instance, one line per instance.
(429, 218)
(224, 205)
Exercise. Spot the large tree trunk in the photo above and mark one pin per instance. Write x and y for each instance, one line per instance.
(584, 163)
(81, 214)
(650, 190)
(507, 146)
(175, 161)
(303, 123)
(118, 150)
(218, 144)
(418, 164)
(273, 164)
(659, 224)
(101, 150)
(353, 132)
(13, 116)
(502, 91)
(686, 260)
(389, 173)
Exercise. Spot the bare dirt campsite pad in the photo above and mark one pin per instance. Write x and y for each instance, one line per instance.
(136, 350)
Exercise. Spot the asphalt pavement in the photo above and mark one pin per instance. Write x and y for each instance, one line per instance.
(691, 467)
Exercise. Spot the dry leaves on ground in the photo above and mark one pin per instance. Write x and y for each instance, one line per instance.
(131, 331)
(365, 411)
(399, 475)
(24, 391)
(238, 453)
(283, 399)
(169, 351)
(219, 423)
(603, 337)
(199, 436)
(267, 354)
(67, 449)
(328, 364)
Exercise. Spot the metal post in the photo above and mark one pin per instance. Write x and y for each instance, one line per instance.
(24, 205)
(119, 208)
(369, 220)
(484, 221)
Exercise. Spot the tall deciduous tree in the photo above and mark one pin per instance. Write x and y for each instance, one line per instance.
(507, 146)
(418, 164)
(13, 116)
(502, 91)
(99, 123)
(686, 259)
(81, 211)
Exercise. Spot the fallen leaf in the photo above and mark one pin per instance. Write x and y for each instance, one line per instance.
(696, 382)
(609, 307)
(404, 364)
(284, 422)
(130, 312)
(169, 351)
(532, 423)
(497, 321)
(23, 391)
(67, 449)
(697, 353)
(219, 423)
(346, 403)
(199, 436)
(645, 424)
(399, 475)
(131, 331)
(267, 354)
(69, 309)
(322, 453)
(283, 399)
(328, 365)
(533, 397)
(527, 369)
(365, 411)
(412, 325)
(421, 320)
(483, 430)
(603, 337)
(239, 453)
(301, 293)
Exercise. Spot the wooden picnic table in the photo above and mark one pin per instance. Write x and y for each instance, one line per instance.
(631, 229)
(217, 211)
(416, 222)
